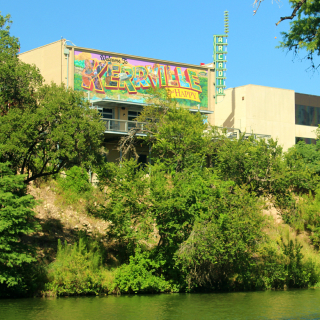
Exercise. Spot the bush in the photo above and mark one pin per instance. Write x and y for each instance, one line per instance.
(139, 276)
(76, 180)
(126, 206)
(77, 270)
(220, 251)
(75, 184)
(304, 216)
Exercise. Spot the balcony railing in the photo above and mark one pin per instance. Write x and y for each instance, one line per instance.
(121, 126)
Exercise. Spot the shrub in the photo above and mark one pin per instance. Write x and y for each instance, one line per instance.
(75, 185)
(77, 270)
(139, 276)
(76, 180)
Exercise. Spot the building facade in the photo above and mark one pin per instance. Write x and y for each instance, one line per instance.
(117, 84)
(283, 114)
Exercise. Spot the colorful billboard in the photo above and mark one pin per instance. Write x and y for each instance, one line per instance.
(117, 78)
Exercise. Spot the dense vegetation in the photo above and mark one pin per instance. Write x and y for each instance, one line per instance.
(193, 219)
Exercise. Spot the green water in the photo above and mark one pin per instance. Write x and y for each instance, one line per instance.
(296, 304)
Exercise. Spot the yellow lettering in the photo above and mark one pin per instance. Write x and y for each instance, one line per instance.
(184, 94)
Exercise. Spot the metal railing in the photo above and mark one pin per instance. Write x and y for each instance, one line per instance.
(235, 133)
(115, 125)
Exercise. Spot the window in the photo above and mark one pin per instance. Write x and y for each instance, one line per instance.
(307, 116)
(132, 115)
(306, 140)
(106, 113)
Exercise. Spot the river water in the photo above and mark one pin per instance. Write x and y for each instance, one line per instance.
(295, 304)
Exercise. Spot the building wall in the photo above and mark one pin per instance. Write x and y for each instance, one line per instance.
(52, 62)
(230, 111)
(271, 111)
(261, 110)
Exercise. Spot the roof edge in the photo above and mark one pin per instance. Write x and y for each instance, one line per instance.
(46, 45)
(109, 53)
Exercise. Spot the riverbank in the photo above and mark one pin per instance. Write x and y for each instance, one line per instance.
(66, 220)
(191, 221)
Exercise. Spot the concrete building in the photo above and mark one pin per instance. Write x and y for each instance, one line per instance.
(116, 85)
(284, 114)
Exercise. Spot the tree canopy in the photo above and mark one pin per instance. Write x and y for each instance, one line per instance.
(44, 128)
(16, 220)
(304, 32)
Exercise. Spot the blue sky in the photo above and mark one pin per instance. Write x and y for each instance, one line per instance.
(172, 30)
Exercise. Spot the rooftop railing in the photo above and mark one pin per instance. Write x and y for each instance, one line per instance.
(121, 126)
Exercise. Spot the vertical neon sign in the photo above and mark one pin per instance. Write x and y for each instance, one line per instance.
(220, 58)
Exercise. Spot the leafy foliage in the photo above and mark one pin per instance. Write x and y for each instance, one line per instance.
(77, 270)
(127, 205)
(18, 80)
(255, 163)
(16, 220)
(59, 132)
(139, 276)
(194, 221)
(304, 31)
(75, 180)
(283, 266)
(223, 242)
(43, 128)
(303, 162)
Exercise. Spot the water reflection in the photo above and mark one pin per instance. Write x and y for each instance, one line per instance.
(296, 304)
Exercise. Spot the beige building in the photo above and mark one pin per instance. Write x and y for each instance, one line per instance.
(116, 85)
(284, 114)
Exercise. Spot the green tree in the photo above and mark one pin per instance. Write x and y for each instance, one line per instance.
(304, 30)
(192, 220)
(43, 128)
(256, 163)
(302, 162)
(224, 240)
(60, 131)
(304, 33)
(18, 80)
(127, 206)
(16, 220)
(176, 136)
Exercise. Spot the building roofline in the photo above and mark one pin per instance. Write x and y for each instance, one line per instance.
(166, 62)
(129, 56)
(258, 85)
(46, 45)
(307, 94)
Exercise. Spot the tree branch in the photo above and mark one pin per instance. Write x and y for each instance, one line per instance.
(127, 143)
(38, 175)
(294, 12)
(27, 156)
